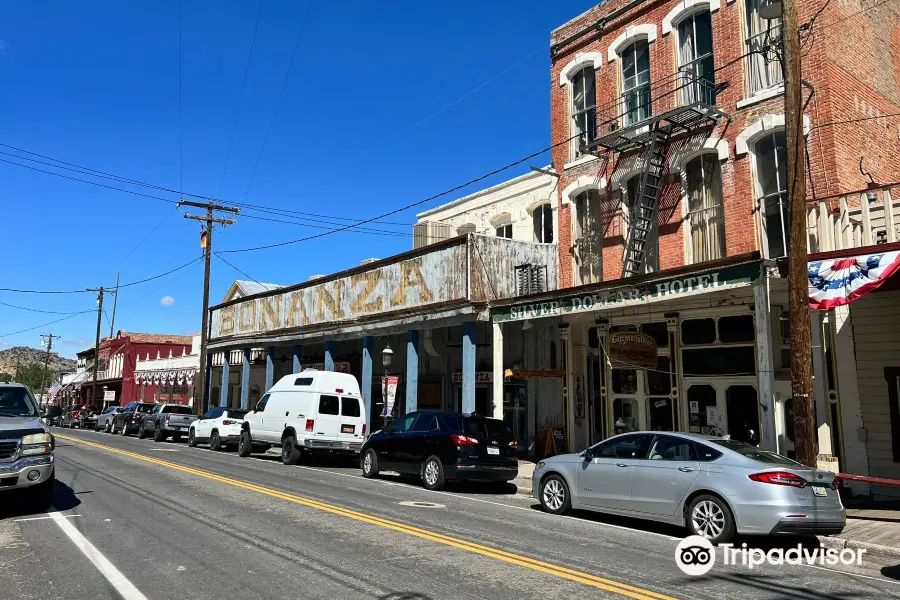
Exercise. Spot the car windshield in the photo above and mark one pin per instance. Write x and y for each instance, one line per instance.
(237, 414)
(488, 429)
(16, 402)
(764, 456)
(180, 410)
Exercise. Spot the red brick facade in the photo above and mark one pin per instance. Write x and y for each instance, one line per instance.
(852, 64)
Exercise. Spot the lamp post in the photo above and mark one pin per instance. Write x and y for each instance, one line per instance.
(386, 355)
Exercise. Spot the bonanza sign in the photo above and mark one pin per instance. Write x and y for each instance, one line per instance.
(632, 349)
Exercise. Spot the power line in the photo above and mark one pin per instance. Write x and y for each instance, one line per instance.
(235, 268)
(48, 312)
(237, 115)
(856, 14)
(44, 324)
(832, 123)
(287, 76)
(180, 97)
(360, 230)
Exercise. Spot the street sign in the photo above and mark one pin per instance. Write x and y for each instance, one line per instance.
(109, 396)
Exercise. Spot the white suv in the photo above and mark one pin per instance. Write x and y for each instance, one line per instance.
(220, 427)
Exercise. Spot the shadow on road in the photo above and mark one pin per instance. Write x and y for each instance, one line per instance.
(19, 503)
(891, 572)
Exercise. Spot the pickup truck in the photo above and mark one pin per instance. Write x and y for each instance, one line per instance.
(26, 448)
(167, 420)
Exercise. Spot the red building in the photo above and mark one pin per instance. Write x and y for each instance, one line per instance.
(118, 356)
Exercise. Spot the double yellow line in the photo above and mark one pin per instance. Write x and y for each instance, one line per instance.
(495, 553)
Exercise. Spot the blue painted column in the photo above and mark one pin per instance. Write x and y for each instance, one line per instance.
(245, 380)
(206, 388)
(226, 375)
(412, 371)
(270, 368)
(367, 376)
(468, 368)
(298, 358)
(329, 356)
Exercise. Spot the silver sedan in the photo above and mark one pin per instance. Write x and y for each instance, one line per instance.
(714, 486)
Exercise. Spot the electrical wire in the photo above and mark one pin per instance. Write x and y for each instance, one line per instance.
(180, 96)
(43, 325)
(287, 76)
(856, 14)
(237, 269)
(241, 96)
(49, 312)
(833, 123)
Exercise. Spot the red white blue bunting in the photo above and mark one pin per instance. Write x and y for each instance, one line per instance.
(840, 281)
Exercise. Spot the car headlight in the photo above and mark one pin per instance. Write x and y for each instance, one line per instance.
(37, 443)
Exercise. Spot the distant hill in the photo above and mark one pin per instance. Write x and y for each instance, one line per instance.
(27, 356)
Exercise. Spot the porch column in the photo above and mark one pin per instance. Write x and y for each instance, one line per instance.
(468, 368)
(565, 336)
(855, 455)
(298, 358)
(412, 370)
(820, 384)
(497, 375)
(223, 396)
(204, 401)
(270, 368)
(143, 387)
(329, 356)
(367, 376)
(764, 362)
(245, 379)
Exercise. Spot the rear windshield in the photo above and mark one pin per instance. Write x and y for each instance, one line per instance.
(16, 402)
(179, 410)
(145, 408)
(237, 414)
(350, 407)
(755, 453)
(487, 429)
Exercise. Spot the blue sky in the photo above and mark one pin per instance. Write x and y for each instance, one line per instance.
(386, 103)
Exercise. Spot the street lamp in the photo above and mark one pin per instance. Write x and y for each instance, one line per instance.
(386, 355)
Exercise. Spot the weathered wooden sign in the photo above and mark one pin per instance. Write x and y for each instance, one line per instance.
(632, 349)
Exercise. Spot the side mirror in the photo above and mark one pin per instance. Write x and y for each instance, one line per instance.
(587, 454)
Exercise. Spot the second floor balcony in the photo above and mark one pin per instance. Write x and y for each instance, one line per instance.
(854, 220)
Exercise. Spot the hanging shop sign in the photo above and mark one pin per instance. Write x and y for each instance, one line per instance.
(632, 349)
(621, 297)
(840, 281)
(389, 393)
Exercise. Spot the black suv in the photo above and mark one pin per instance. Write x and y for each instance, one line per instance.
(129, 418)
(441, 447)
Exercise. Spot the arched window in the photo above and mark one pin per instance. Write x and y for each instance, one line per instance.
(588, 236)
(542, 219)
(763, 68)
(636, 81)
(466, 229)
(584, 110)
(705, 214)
(503, 225)
(769, 152)
(695, 59)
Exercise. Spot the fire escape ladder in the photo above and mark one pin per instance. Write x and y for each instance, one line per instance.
(644, 212)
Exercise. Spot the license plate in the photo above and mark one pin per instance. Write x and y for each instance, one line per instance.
(348, 428)
(820, 491)
(183, 428)
(494, 451)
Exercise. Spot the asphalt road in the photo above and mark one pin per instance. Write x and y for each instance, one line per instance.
(136, 519)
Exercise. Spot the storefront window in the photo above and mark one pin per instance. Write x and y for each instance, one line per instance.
(698, 331)
(737, 328)
(658, 383)
(658, 331)
(624, 381)
(700, 398)
(660, 413)
(624, 415)
(721, 360)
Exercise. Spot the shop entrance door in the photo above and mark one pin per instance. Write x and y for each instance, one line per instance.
(596, 406)
(482, 400)
(722, 406)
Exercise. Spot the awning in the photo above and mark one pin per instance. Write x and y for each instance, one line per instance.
(839, 281)
(182, 376)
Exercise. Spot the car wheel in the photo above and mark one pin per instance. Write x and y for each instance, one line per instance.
(192, 441)
(124, 429)
(245, 444)
(107, 427)
(370, 464)
(42, 494)
(555, 495)
(142, 432)
(290, 453)
(709, 517)
(215, 443)
(433, 473)
(158, 434)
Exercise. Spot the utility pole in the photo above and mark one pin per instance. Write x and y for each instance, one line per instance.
(805, 442)
(100, 291)
(47, 339)
(112, 322)
(208, 221)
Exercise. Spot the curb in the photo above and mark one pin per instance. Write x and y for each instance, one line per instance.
(872, 549)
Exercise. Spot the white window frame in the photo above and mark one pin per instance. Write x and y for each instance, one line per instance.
(760, 202)
(573, 196)
(466, 228)
(503, 221)
(630, 46)
(686, 201)
(694, 93)
(751, 61)
(553, 220)
(574, 131)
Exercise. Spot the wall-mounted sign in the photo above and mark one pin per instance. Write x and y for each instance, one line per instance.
(480, 377)
(665, 289)
(633, 349)
(514, 374)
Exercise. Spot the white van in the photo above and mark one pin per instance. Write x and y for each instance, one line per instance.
(310, 411)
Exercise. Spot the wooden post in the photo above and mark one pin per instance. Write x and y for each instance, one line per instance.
(468, 368)
(866, 220)
(497, 352)
(846, 228)
(412, 371)
(367, 377)
(245, 379)
(889, 216)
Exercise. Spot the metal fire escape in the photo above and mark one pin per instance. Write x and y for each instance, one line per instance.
(652, 136)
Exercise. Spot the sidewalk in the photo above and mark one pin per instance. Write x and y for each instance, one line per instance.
(874, 526)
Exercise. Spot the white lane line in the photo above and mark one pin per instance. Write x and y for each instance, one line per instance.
(42, 518)
(851, 574)
(115, 578)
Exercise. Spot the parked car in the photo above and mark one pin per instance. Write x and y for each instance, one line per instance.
(714, 486)
(167, 420)
(87, 419)
(128, 418)
(53, 415)
(26, 448)
(220, 427)
(105, 419)
(441, 447)
(72, 417)
(308, 412)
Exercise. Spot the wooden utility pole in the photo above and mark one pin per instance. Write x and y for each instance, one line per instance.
(100, 291)
(208, 221)
(805, 441)
(48, 337)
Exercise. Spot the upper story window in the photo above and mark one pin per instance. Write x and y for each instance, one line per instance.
(588, 237)
(584, 110)
(542, 218)
(769, 152)
(695, 59)
(466, 229)
(632, 199)
(703, 181)
(505, 231)
(635, 82)
(763, 68)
